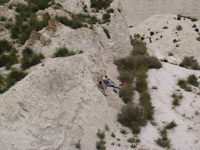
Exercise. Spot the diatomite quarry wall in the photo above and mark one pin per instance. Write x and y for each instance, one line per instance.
(138, 10)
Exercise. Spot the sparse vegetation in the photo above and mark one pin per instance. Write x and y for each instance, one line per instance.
(190, 62)
(107, 33)
(30, 58)
(77, 21)
(107, 127)
(100, 145)
(164, 141)
(63, 52)
(198, 39)
(5, 46)
(133, 68)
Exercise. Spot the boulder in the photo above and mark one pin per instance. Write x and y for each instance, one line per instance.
(44, 40)
(33, 37)
(51, 25)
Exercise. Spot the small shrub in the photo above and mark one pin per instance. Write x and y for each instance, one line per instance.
(14, 76)
(9, 59)
(165, 27)
(139, 47)
(198, 39)
(170, 54)
(78, 145)
(163, 143)
(107, 127)
(171, 125)
(106, 17)
(123, 131)
(151, 33)
(153, 62)
(194, 26)
(30, 59)
(5, 46)
(100, 145)
(111, 10)
(107, 33)
(100, 4)
(175, 40)
(176, 101)
(125, 76)
(113, 135)
(126, 92)
(63, 52)
(133, 146)
(194, 19)
(131, 140)
(190, 62)
(192, 79)
(179, 27)
(132, 117)
(197, 30)
(100, 134)
(141, 83)
(182, 83)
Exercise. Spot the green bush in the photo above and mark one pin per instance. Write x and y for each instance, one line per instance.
(141, 83)
(139, 47)
(77, 21)
(9, 59)
(132, 117)
(5, 46)
(198, 39)
(110, 10)
(100, 145)
(100, 134)
(126, 93)
(182, 83)
(190, 62)
(30, 59)
(163, 143)
(153, 62)
(126, 76)
(192, 79)
(100, 4)
(63, 52)
(145, 102)
(14, 76)
(107, 33)
(106, 17)
(177, 98)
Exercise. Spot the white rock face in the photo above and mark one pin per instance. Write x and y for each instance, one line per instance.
(59, 102)
(138, 10)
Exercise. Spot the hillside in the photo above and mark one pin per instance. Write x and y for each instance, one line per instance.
(58, 105)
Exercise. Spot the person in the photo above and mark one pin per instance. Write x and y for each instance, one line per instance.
(111, 85)
(104, 80)
(101, 85)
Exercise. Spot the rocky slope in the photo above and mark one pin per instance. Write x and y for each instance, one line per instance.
(58, 103)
